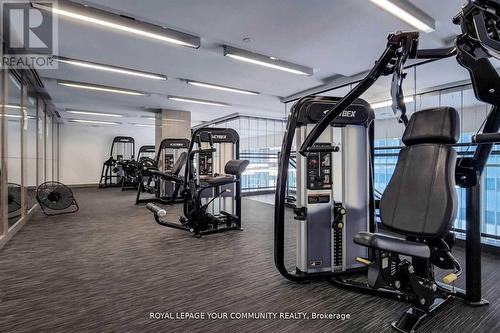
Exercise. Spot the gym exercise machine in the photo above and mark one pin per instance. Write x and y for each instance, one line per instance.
(130, 180)
(146, 151)
(114, 169)
(419, 204)
(161, 177)
(342, 152)
(212, 188)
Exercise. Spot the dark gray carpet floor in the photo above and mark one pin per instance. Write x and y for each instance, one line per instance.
(107, 267)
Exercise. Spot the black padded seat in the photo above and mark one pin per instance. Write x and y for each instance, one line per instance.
(420, 200)
(221, 180)
(233, 170)
(236, 167)
(392, 244)
(166, 176)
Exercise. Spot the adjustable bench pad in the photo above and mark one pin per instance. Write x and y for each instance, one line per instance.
(221, 180)
(166, 176)
(393, 244)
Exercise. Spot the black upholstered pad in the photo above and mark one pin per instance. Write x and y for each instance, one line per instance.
(421, 198)
(436, 125)
(166, 176)
(221, 180)
(236, 167)
(392, 244)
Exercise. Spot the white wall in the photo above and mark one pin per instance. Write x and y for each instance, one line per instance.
(84, 148)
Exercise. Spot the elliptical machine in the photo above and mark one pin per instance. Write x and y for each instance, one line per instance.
(419, 204)
(212, 188)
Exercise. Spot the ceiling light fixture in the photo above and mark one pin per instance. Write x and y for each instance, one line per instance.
(384, 104)
(10, 106)
(143, 125)
(117, 22)
(218, 87)
(407, 12)
(196, 101)
(88, 86)
(90, 113)
(109, 68)
(266, 61)
(175, 120)
(84, 121)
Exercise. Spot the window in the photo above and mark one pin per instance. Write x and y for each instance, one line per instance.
(30, 148)
(14, 113)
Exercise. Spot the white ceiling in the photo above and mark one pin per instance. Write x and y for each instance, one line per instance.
(335, 37)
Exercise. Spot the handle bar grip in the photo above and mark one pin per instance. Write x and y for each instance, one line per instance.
(158, 211)
(205, 150)
(486, 138)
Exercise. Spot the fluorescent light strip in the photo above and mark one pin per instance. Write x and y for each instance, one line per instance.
(261, 63)
(175, 120)
(8, 106)
(100, 88)
(266, 61)
(143, 125)
(102, 18)
(94, 122)
(384, 104)
(17, 116)
(398, 9)
(95, 113)
(217, 87)
(196, 101)
(112, 69)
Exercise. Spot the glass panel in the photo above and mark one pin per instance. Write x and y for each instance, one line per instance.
(30, 151)
(41, 142)
(48, 148)
(14, 166)
(258, 145)
(2, 187)
(55, 151)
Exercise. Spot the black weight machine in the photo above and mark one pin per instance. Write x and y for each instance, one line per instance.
(402, 266)
(121, 158)
(212, 188)
(161, 176)
(147, 151)
(130, 168)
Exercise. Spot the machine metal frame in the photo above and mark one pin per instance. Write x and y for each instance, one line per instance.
(199, 191)
(478, 42)
(161, 175)
(108, 173)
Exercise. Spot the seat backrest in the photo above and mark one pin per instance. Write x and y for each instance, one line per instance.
(181, 161)
(420, 199)
(236, 167)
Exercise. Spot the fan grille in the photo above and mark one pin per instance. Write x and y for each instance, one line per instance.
(54, 195)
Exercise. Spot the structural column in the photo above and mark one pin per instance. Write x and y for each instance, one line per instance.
(172, 124)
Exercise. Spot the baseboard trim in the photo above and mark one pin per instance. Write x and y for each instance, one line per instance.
(83, 186)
